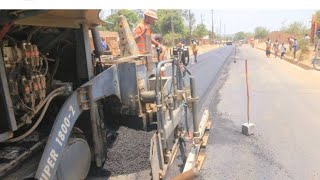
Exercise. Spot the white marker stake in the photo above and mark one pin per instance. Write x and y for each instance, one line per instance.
(248, 128)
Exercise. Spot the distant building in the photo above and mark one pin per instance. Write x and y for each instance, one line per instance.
(112, 41)
(107, 35)
(205, 40)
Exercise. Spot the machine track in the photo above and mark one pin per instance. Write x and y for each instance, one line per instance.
(17, 154)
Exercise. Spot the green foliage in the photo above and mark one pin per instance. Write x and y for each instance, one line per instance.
(249, 35)
(303, 48)
(260, 32)
(200, 31)
(102, 28)
(189, 18)
(297, 29)
(163, 25)
(131, 15)
(171, 38)
(240, 35)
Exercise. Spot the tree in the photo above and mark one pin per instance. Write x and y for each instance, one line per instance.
(190, 21)
(303, 48)
(187, 18)
(163, 24)
(297, 29)
(170, 22)
(200, 31)
(140, 13)
(170, 38)
(240, 35)
(249, 35)
(132, 18)
(260, 32)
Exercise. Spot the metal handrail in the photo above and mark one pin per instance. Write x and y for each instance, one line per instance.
(157, 88)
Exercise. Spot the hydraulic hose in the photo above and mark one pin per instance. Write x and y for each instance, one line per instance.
(36, 124)
(46, 99)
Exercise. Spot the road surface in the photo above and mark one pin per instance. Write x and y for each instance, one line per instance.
(206, 72)
(285, 109)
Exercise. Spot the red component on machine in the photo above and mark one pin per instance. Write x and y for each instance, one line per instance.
(4, 30)
(162, 71)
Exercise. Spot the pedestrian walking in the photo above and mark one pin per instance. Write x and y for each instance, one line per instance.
(295, 47)
(276, 48)
(268, 48)
(282, 50)
(195, 49)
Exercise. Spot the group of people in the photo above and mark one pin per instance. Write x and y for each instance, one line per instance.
(276, 47)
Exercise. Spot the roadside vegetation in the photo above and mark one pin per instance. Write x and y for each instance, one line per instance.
(173, 25)
(296, 29)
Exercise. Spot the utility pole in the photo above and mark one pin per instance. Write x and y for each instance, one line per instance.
(212, 28)
(220, 31)
(224, 31)
(190, 27)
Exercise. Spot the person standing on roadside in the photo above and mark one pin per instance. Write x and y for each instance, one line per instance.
(268, 48)
(295, 47)
(290, 41)
(104, 44)
(282, 50)
(276, 48)
(195, 49)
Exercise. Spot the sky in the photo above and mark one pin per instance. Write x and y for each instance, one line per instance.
(163, 4)
(235, 15)
(247, 19)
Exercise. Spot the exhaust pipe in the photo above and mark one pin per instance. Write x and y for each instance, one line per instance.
(98, 51)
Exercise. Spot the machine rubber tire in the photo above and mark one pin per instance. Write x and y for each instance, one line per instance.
(76, 160)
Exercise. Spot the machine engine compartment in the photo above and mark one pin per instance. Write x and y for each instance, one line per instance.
(34, 59)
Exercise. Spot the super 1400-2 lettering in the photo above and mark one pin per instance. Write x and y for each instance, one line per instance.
(60, 140)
